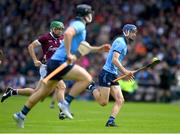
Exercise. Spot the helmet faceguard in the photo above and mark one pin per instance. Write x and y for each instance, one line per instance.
(129, 28)
(85, 11)
(129, 31)
(88, 18)
(56, 28)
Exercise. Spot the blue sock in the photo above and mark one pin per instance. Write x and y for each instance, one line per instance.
(111, 119)
(25, 110)
(69, 98)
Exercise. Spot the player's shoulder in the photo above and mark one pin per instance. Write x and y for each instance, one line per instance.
(61, 37)
(77, 22)
(120, 39)
(119, 42)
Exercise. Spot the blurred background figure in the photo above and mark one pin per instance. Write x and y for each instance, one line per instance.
(167, 78)
(128, 89)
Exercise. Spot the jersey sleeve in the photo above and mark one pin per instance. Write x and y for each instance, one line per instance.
(119, 46)
(42, 39)
(78, 26)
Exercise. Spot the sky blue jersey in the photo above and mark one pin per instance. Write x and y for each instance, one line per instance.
(80, 35)
(119, 45)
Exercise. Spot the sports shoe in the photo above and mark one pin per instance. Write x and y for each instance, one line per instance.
(64, 106)
(19, 119)
(111, 124)
(62, 116)
(7, 94)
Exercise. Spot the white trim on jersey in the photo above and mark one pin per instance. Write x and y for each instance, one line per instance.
(53, 36)
(37, 42)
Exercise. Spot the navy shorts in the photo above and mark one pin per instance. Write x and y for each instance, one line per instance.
(106, 79)
(53, 64)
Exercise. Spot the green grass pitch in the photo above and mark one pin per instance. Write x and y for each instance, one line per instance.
(91, 118)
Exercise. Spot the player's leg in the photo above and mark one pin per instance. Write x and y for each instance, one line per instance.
(42, 91)
(119, 100)
(24, 91)
(60, 93)
(51, 66)
(12, 91)
(60, 90)
(82, 79)
(53, 99)
(101, 95)
(62, 104)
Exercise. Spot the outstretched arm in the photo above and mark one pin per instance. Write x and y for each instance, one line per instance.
(85, 48)
(103, 48)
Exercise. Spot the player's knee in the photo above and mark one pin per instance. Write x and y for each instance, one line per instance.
(120, 101)
(31, 91)
(103, 103)
(62, 86)
(89, 79)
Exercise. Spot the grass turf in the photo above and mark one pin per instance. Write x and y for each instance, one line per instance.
(91, 118)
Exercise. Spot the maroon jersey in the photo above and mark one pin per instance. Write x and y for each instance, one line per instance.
(49, 44)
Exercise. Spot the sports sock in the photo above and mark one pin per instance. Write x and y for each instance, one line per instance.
(25, 110)
(69, 98)
(14, 92)
(111, 119)
(91, 87)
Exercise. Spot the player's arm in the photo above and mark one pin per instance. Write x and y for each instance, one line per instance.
(85, 48)
(103, 48)
(32, 53)
(68, 35)
(116, 62)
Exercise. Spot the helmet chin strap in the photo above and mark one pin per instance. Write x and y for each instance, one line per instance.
(126, 33)
(53, 35)
(88, 18)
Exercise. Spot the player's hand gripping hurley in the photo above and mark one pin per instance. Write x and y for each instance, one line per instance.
(153, 63)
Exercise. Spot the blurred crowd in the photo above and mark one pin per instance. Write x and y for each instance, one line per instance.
(158, 21)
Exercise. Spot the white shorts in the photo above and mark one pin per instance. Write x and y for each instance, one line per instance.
(42, 71)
